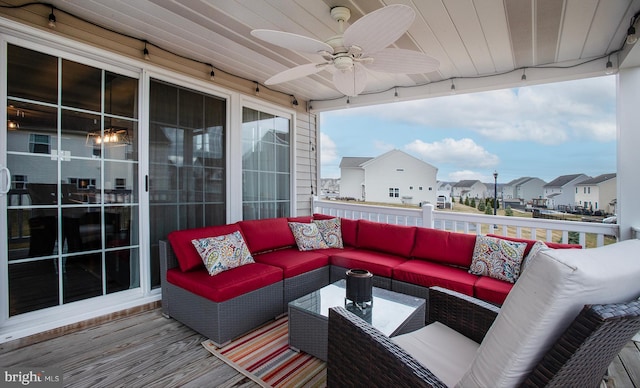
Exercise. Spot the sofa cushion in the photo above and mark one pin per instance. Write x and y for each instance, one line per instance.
(497, 258)
(442, 246)
(292, 261)
(267, 234)
(303, 219)
(221, 253)
(543, 303)
(307, 236)
(348, 226)
(531, 242)
(491, 290)
(442, 350)
(388, 238)
(187, 256)
(378, 263)
(429, 274)
(331, 231)
(228, 284)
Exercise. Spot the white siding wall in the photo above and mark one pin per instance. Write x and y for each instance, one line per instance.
(351, 180)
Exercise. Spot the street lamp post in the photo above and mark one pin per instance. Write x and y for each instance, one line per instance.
(495, 192)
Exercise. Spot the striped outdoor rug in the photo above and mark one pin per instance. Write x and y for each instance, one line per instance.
(264, 356)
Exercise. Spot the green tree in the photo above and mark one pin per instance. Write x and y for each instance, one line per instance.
(508, 211)
(461, 202)
(466, 201)
(481, 206)
(473, 202)
(488, 210)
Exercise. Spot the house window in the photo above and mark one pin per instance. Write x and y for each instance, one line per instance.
(394, 192)
(121, 184)
(266, 165)
(39, 144)
(420, 188)
(410, 187)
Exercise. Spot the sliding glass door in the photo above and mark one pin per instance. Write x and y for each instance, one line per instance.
(187, 163)
(72, 207)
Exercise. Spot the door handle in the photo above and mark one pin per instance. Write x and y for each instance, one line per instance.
(4, 189)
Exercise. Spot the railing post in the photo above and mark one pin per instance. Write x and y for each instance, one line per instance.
(427, 216)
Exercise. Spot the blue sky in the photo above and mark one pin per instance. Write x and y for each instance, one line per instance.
(539, 131)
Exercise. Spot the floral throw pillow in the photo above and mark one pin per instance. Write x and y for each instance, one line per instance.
(331, 231)
(307, 236)
(221, 253)
(497, 258)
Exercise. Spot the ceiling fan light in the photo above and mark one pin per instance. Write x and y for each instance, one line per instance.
(343, 63)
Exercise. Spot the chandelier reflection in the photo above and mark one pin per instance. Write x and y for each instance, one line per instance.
(114, 136)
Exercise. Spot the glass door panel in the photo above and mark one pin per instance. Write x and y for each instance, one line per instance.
(72, 206)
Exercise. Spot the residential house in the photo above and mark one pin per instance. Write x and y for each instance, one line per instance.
(597, 194)
(352, 177)
(469, 189)
(147, 116)
(393, 177)
(560, 192)
(524, 189)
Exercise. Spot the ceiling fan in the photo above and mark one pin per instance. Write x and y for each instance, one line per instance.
(361, 47)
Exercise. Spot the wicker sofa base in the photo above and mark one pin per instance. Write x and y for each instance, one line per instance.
(221, 322)
(303, 284)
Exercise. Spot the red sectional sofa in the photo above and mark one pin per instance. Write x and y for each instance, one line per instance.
(402, 258)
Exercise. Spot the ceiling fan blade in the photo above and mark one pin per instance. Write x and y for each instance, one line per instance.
(292, 41)
(295, 72)
(403, 61)
(380, 28)
(351, 82)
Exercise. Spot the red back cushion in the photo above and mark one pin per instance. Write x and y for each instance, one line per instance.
(302, 219)
(348, 226)
(531, 242)
(187, 255)
(395, 239)
(267, 234)
(451, 248)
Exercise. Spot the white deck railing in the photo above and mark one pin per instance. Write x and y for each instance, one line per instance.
(427, 216)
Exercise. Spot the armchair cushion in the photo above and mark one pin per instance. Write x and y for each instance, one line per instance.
(444, 351)
(543, 303)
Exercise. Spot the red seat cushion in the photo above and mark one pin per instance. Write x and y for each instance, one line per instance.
(492, 290)
(389, 238)
(294, 262)
(531, 242)
(429, 274)
(378, 263)
(228, 284)
(268, 234)
(186, 254)
(446, 247)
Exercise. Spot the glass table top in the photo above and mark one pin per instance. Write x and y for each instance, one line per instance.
(387, 312)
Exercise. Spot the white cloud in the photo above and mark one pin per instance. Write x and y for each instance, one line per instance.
(328, 149)
(546, 114)
(382, 146)
(457, 176)
(461, 153)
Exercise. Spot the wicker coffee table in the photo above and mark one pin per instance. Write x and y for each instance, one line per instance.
(391, 313)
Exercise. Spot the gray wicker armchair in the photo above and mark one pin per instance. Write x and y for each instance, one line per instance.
(561, 325)
(361, 356)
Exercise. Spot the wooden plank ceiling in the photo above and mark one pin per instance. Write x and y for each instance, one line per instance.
(470, 38)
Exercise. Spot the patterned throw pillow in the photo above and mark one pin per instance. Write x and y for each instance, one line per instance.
(537, 247)
(221, 253)
(331, 231)
(497, 258)
(307, 236)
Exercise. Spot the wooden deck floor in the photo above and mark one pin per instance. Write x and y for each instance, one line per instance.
(148, 350)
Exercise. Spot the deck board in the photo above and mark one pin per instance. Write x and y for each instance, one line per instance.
(147, 350)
